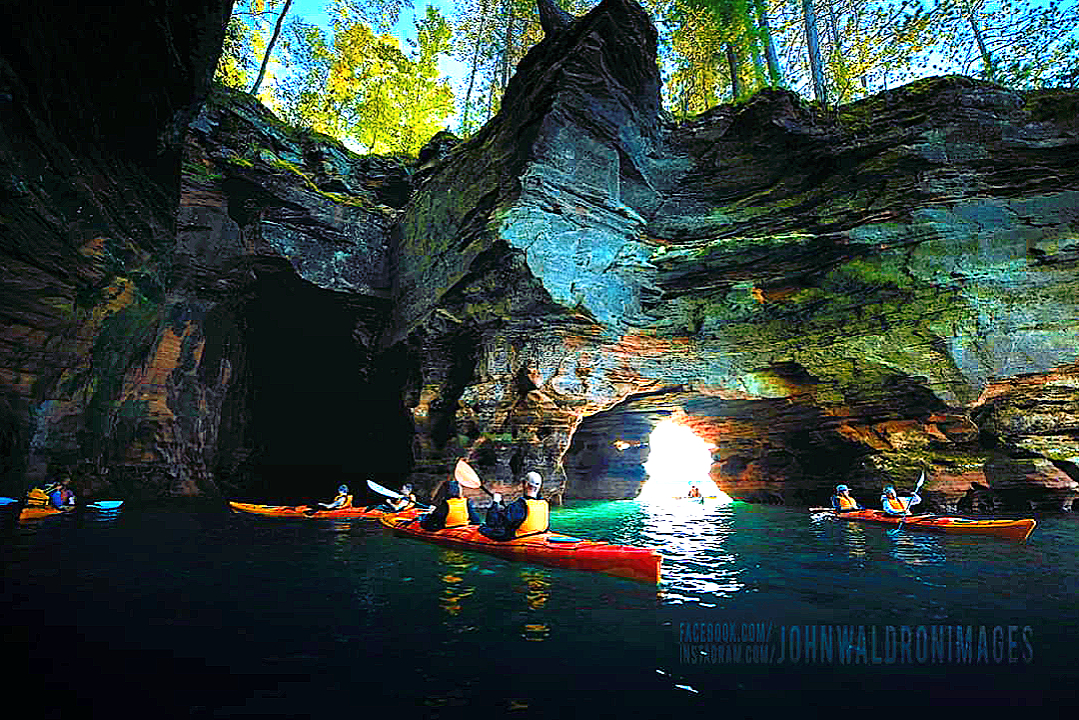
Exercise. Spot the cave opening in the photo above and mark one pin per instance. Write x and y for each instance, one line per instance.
(320, 410)
(678, 460)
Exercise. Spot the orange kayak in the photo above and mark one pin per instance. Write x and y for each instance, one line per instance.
(304, 511)
(1010, 529)
(35, 512)
(549, 548)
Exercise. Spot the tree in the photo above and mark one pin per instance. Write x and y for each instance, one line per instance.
(361, 87)
(816, 66)
(269, 47)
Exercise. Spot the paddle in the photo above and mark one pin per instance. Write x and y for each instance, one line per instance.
(466, 476)
(906, 510)
(391, 493)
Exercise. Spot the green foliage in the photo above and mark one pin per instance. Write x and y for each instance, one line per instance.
(360, 86)
(236, 65)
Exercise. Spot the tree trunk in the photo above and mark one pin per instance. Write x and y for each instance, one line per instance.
(507, 52)
(774, 73)
(987, 58)
(475, 61)
(732, 63)
(837, 52)
(816, 67)
(269, 47)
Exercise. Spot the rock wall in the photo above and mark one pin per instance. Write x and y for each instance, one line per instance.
(824, 295)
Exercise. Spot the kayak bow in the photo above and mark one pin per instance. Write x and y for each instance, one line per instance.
(548, 548)
(950, 525)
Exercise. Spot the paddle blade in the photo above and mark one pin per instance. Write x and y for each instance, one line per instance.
(466, 476)
(921, 481)
(383, 491)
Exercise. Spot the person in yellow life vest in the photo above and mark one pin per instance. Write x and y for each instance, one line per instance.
(895, 505)
(842, 500)
(343, 500)
(451, 511)
(527, 515)
(694, 491)
(57, 496)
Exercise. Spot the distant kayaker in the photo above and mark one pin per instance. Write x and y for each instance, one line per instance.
(61, 496)
(528, 515)
(895, 505)
(842, 500)
(407, 500)
(451, 511)
(343, 500)
(694, 491)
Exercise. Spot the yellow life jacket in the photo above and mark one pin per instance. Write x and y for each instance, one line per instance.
(846, 503)
(347, 503)
(458, 512)
(38, 498)
(896, 504)
(537, 519)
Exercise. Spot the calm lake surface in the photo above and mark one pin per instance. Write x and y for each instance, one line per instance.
(190, 611)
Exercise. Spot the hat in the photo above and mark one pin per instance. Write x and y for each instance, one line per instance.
(841, 488)
(342, 489)
(889, 487)
(533, 479)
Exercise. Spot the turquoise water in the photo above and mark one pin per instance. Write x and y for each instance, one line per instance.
(196, 612)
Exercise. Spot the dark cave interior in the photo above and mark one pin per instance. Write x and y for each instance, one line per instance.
(320, 409)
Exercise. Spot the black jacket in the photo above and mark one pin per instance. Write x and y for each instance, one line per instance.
(436, 519)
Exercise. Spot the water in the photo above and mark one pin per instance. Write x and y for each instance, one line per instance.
(195, 612)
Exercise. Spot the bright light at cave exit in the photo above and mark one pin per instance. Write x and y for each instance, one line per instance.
(677, 460)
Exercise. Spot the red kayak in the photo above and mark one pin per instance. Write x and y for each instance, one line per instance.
(1010, 529)
(305, 511)
(548, 548)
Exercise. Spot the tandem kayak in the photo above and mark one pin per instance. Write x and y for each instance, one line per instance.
(1010, 529)
(304, 511)
(548, 548)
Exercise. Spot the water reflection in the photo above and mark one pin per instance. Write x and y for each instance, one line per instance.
(454, 590)
(340, 532)
(827, 527)
(916, 549)
(102, 517)
(694, 538)
(536, 586)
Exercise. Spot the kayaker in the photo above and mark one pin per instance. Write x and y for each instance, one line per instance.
(895, 505)
(406, 502)
(343, 500)
(694, 491)
(61, 496)
(527, 515)
(842, 500)
(451, 511)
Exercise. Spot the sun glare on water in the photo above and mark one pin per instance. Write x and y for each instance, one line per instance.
(678, 459)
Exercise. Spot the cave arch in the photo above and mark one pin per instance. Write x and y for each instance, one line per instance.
(762, 451)
(309, 405)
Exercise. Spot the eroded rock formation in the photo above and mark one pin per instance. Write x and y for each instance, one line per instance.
(824, 296)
